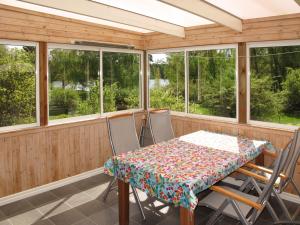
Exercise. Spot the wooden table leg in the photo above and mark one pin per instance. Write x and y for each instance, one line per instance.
(123, 202)
(260, 160)
(187, 217)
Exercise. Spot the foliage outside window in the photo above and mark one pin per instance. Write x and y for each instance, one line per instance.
(212, 75)
(74, 88)
(275, 84)
(166, 84)
(17, 85)
(121, 81)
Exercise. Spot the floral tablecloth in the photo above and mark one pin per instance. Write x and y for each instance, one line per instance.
(177, 170)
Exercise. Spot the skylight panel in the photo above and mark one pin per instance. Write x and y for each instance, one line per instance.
(249, 9)
(158, 10)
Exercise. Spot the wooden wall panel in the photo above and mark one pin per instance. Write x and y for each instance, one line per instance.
(38, 156)
(20, 24)
(262, 29)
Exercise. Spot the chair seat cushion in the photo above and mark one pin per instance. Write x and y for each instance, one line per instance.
(215, 199)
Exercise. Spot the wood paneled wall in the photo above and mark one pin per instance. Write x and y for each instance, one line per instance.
(42, 155)
(279, 138)
(262, 29)
(20, 24)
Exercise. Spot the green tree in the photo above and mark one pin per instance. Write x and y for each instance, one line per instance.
(17, 86)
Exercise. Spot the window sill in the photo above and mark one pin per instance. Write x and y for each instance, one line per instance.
(205, 117)
(14, 128)
(90, 117)
(269, 125)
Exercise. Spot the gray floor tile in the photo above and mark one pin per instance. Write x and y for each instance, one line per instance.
(2, 216)
(68, 217)
(26, 218)
(91, 208)
(15, 208)
(97, 192)
(85, 221)
(54, 208)
(5, 222)
(43, 222)
(105, 217)
(42, 199)
(92, 182)
(65, 191)
(78, 199)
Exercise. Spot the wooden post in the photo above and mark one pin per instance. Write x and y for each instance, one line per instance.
(123, 202)
(242, 78)
(145, 81)
(43, 69)
(187, 217)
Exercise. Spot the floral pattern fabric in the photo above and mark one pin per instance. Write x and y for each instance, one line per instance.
(176, 171)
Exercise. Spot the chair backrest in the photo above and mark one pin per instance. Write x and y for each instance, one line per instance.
(278, 168)
(160, 125)
(122, 133)
(267, 190)
(293, 157)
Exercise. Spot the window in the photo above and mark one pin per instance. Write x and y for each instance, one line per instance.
(275, 82)
(167, 81)
(74, 82)
(212, 82)
(121, 81)
(18, 104)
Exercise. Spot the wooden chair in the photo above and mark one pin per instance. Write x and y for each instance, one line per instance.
(242, 206)
(160, 125)
(123, 138)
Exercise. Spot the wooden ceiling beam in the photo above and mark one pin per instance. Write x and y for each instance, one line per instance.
(208, 11)
(109, 13)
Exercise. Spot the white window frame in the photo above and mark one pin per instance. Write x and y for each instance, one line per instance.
(163, 51)
(186, 62)
(71, 47)
(265, 44)
(100, 50)
(37, 89)
(141, 78)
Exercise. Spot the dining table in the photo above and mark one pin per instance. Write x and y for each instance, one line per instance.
(176, 171)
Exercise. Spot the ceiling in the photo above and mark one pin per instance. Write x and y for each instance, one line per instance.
(165, 16)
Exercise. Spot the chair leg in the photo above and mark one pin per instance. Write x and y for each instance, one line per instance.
(137, 199)
(272, 212)
(282, 205)
(108, 189)
(214, 217)
(239, 212)
(245, 185)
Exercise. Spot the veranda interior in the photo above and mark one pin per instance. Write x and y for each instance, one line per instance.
(80, 70)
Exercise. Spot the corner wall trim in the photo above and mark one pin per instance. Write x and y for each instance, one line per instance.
(47, 187)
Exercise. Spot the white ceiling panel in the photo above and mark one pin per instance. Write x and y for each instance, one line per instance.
(249, 9)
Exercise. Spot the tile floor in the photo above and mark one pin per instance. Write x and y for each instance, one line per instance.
(81, 204)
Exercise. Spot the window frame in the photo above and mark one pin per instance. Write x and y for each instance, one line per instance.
(141, 78)
(186, 51)
(100, 50)
(37, 84)
(70, 47)
(264, 44)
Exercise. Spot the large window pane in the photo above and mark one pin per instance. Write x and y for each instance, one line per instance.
(121, 81)
(73, 83)
(275, 84)
(17, 85)
(212, 86)
(166, 84)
